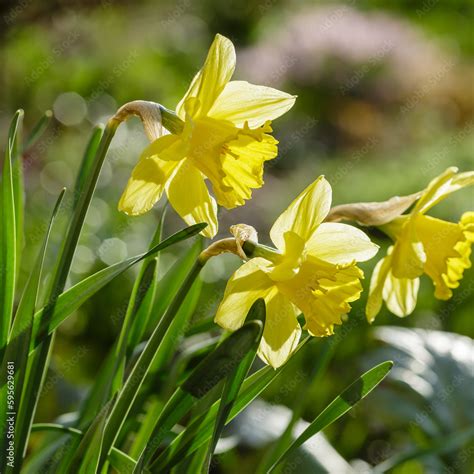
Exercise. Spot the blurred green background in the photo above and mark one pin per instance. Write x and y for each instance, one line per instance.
(385, 103)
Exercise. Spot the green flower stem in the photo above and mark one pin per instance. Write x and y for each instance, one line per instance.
(83, 202)
(141, 368)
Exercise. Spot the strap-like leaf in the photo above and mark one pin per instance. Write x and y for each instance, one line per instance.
(17, 349)
(38, 130)
(234, 382)
(216, 366)
(8, 230)
(75, 296)
(118, 459)
(201, 428)
(340, 405)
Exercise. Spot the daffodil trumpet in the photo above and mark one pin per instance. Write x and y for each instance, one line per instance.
(220, 133)
(312, 271)
(421, 244)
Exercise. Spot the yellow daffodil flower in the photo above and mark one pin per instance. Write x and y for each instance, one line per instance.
(313, 271)
(225, 137)
(423, 244)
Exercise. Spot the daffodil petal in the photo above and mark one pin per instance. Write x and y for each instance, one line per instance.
(167, 147)
(322, 292)
(409, 256)
(377, 282)
(400, 294)
(210, 81)
(241, 102)
(441, 186)
(448, 248)
(281, 333)
(147, 183)
(341, 244)
(188, 194)
(304, 214)
(245, 286)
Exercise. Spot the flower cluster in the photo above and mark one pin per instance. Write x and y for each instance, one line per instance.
(222, 134)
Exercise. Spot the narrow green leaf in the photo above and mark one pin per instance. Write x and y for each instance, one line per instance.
(86, 458)
(222, 360)
(99, 392)
(16, 353)
(8, 230)
(340, 405)
(216, 366)
(38, 362)
(234, 382)
(170, 283)
(147, 425)
(299, 403)
(140, 321)
(201, 428)
(18, 196)
(118, 459)
(75, 296)
(122, 462)
(38, 130)
(130, 390)
(143, 290)
(177, 327)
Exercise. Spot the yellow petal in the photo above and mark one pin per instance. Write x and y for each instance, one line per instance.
(241, 102)
(281, 333)
(408, 257)
(167, 147)
(242, 164)
(304, 214)
(448, 248)
(188, 194)
(147, 183)
(400, 294)
(377, 282)
(443, 185)
(341, 243)
(245, 286)
(323, 291)
(289, 263)
(210, 81)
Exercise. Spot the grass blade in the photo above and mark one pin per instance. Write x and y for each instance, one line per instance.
(118, 459)
(299, 403)
(73, 298)
(340, 405)
(216, 366)
(129, 392)
(144, 311)
(19, 339)
(233, 383)
(8, 243)
(38, 130)
(38, 362)
(142, 292)
(201, 428)
(87, 455)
